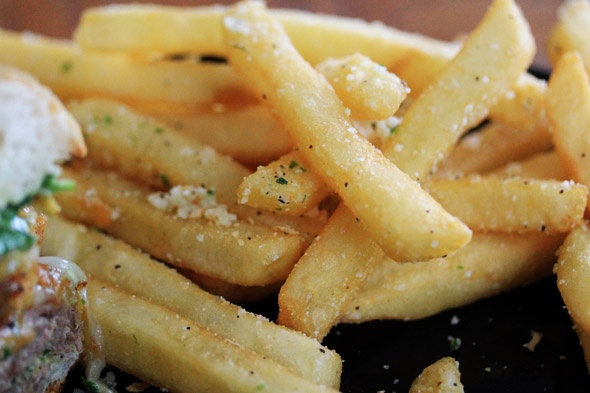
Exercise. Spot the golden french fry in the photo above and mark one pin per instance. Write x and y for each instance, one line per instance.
(176, 85)
(492, 58)
(321, 284)
(151, 342)
(251, 135)
(571, 32)
(490, 264)
(545, 165)
(285, 185)
(513, 205)
(573, 275)
(115, 262)
(365, 87)
(492, 146)
(215, 244)
(568, 108)
(142, 148)
(442, 376)
(397, 213)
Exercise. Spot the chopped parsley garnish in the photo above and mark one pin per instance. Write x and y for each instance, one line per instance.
(393, 129)
(14, 231)
(165, 180)
(282, 180)
(454, 343)
(52, 184)
(91, 386)
(66, 67)
(159, 130)
(6, 352)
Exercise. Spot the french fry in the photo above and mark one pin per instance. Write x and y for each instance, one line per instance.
(568, 108)
(490, 264)
(142, 148)
(365, 87)
(152, 342)
(573, 275)
(237, 252)
(492, 58)
(514, 205)
(442, 376)
(70, 73)
(115, 262)
(283, 185)
(372, 187)
(251, 135)
(492, 146)
(545, 165)
(319, 285)
(585, 343)
(571, 32)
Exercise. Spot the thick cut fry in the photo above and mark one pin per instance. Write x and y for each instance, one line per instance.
(152, 342)
(285, 185)
(237, 252)
(490, 264)
(516, 205)
(568, 108)
(492, 58)
(113, 261)
(313, 295)
(251, 135)
(545, 165)
(403, 219)
(492, 146)
(573, 275)
(365, 87)
(571, 32)
(179, 86)
(142, 148)
(442, 376)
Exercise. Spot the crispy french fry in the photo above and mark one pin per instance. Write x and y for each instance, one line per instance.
(492, 58)
(319, 285)
(442, 376)
(283, 185)
(490, 264)
(372, 187)
(180, 86)
(251, 135)
(573, 275)
(545, 165)
(571, 32)
(142, 148)
(492, 146)
(237, 252)
(113, 261)
(568, 108)
(151, 342)
(365, 87)
(514, 205)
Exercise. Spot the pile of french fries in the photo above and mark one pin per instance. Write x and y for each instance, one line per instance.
(359, 171)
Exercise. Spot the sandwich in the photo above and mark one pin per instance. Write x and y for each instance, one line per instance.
(41, 301)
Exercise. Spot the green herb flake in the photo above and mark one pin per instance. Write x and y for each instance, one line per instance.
(6, 352)
(211, 192)
(165, 180)
(91, 386)
(159, 130)
(454, 343)
(392, 130)
(14, 232)
(66, 67)
(107, 119)
(52, 185)
(135, 338)
(282, 180)
(260, 387)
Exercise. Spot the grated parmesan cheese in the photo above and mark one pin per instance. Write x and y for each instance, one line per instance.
(190, 202)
